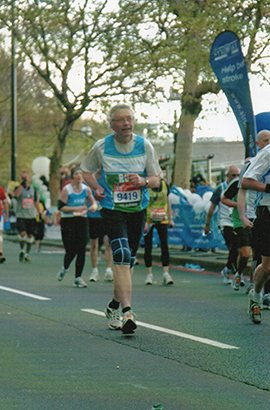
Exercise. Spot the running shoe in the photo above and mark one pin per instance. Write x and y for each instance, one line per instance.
(128, 323)
(2, 259)
(94, 276)
(266, 301)
(236, 281)
(114, 318)
(167, 279)
(242, 282)
(108, 277)
(225, 272)
(254, 309)
(21, 256)
(60, 275)
(79, 282)
(27, 259)
(149, 279)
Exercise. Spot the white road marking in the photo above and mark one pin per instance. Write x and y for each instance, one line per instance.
(172, 332)
(53, 252)
(20, 292)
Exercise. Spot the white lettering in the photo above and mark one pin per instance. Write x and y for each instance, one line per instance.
(232, 78)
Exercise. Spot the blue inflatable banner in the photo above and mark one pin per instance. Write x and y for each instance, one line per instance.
(262, 121)
(229, 66)
(189, 226)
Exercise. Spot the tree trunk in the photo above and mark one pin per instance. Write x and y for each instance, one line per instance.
(191, 107)
(183, 151)
(56, 161)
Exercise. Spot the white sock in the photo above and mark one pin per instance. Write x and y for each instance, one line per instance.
(95, 270)
(257, 297)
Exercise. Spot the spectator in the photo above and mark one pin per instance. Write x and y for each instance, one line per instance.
(201, 185)
(64, 177)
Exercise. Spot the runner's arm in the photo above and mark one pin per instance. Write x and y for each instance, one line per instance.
(241, 205)
(249, 183)
(209, 216)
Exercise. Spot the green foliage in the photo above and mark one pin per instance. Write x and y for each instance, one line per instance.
(36, 116)
(87, 55)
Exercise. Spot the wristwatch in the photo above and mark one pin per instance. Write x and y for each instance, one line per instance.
(146, 182)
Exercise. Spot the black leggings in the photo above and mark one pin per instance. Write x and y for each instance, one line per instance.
(230, 240)
(75, 236)
(163, 237)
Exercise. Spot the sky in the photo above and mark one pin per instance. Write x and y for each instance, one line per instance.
(216, 118)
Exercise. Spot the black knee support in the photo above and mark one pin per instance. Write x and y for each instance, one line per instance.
(121, 251)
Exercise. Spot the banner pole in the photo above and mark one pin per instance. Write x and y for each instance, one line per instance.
(247, 154)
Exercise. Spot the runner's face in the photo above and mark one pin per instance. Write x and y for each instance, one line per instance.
(264, 141)
(25, 175)
(77, 176)
(123, 124)
(233, 173)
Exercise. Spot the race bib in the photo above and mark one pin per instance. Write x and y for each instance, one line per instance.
(126, 193)
(27, 203)
(157, 214)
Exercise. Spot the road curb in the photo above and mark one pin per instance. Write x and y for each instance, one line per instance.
(209, 261)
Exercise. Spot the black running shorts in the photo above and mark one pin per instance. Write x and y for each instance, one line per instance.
(263, 230)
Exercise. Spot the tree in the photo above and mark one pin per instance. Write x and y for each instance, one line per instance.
(84, 52)
(124, 52)
(184, 33)
(37, 114)
(202, 21)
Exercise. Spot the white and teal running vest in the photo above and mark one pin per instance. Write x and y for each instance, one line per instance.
(120, 194)
(74, 199)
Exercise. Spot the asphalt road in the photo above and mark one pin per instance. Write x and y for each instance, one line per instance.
(194, 348)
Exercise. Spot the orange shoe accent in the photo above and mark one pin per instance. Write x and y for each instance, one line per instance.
(256, 310)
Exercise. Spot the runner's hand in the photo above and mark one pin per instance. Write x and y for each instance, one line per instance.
(93, 208)
(99, 194)
(135, 179)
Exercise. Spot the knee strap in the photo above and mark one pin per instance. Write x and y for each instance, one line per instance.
(121, 251)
